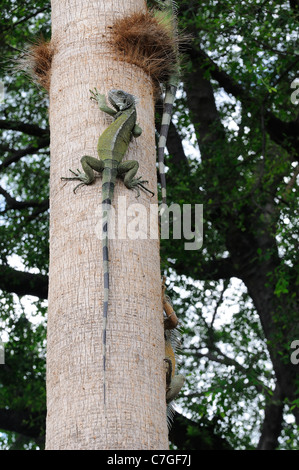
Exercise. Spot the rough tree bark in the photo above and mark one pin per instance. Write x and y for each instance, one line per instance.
(135, 388)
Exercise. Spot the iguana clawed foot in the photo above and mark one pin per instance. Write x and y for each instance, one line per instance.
(136, 182)
(97, 96)
(78, 176)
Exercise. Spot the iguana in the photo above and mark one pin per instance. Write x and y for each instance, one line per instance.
(174, 382)
(168, 15)
(112, 146)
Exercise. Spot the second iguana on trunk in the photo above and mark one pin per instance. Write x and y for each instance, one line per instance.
(174, 382)
(112, 146)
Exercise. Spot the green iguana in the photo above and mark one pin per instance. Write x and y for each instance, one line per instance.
(174, 382)
(112, 146)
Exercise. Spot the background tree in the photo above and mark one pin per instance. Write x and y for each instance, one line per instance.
(233, 146)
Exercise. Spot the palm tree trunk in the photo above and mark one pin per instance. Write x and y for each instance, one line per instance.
(135, 415)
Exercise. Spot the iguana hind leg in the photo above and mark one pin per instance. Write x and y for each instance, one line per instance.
(127, 170)
(89, 165)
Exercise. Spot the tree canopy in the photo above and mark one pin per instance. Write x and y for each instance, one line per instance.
(233, 147)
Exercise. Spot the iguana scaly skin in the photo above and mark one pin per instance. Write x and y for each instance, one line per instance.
(174, 382)
(112, 146)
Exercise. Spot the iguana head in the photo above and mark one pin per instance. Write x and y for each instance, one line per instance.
(121, 100)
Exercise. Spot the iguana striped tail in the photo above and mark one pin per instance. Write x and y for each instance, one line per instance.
(166, 118)
(109, 178)
(169, 8)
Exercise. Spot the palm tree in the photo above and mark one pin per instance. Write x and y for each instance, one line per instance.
(135, 413)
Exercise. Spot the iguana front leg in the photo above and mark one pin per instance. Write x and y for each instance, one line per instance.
(101, 100)
(137, 131)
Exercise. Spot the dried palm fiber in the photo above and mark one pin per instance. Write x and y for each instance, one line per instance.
(146, 40)
(36, 61)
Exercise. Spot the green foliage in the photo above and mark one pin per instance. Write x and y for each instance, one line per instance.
(245, 179)
(22, 378)
(23, 228)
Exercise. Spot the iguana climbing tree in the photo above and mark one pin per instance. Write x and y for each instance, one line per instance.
(240, 93)
(133, 415)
